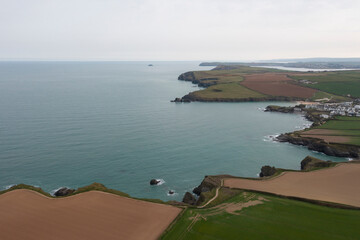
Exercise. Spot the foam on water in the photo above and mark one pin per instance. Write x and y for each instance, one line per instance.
(9, 186)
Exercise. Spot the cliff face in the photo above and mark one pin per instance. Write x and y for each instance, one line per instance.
(192, 97)
(201, 82)
(331, 149)
(188, 76)
(209, 183)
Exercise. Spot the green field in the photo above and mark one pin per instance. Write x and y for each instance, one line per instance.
(339, 83)
(272, 218)
(227, 91)
(322, 95)
(342, 123)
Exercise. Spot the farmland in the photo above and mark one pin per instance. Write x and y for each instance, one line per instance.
(258, 216)
(339, 130)
(341, 83)
(242, 83)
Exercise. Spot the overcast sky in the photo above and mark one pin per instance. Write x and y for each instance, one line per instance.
(178, 29)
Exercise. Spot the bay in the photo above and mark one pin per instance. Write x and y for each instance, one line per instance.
(74, 123)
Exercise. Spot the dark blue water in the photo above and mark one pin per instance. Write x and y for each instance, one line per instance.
(74, 123)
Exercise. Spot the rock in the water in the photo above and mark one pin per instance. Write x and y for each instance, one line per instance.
(64, 192)
(267, 171)
(189, 199)
(171, 192)
(154, 182)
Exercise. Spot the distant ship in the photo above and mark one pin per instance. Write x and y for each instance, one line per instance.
(150, 65)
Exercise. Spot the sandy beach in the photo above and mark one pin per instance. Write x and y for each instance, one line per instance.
(92, 215)
(339, 184)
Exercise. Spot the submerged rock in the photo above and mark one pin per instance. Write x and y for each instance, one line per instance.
(154, 182)
(64, 191)
(189, 199)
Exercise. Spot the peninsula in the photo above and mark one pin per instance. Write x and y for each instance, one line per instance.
(238, 83)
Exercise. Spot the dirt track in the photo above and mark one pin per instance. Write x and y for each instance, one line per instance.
(276, 84)
(92, 215)
(339, 184)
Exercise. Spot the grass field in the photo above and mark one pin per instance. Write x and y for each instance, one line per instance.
(258, 216)
(322, 95)
(339, 83)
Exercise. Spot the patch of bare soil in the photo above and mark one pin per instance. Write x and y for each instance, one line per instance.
(92, 215)
(276, 84)
(338, 184)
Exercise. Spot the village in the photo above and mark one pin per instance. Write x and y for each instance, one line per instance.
(351, 109)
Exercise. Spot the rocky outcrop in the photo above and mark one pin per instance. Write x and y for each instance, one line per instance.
(154, 182)
(189, 199)
(267, 171)
(64, 191)
(201, 82)
(188, 76)
(207, 184)
(310, 163)
(181, 100)
(274, 108)
(331, 149)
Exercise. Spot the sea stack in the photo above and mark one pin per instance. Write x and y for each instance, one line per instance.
(154, 182)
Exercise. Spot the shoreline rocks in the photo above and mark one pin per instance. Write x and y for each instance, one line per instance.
(207, 185)
(64, 191)
(189, 199)
(274, 108)
(180, 100)
(267, 171)
(337, 150)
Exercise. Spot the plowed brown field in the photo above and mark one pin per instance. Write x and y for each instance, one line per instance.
(92, 215)
(339, 184)
(276, 84)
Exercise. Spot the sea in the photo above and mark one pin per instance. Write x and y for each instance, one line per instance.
(69, 124)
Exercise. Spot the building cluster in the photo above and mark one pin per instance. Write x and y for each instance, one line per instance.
(351, 109)
(304, 81)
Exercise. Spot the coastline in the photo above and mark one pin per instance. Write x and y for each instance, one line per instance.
(329, 148)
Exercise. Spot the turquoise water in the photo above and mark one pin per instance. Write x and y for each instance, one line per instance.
(74, 123)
